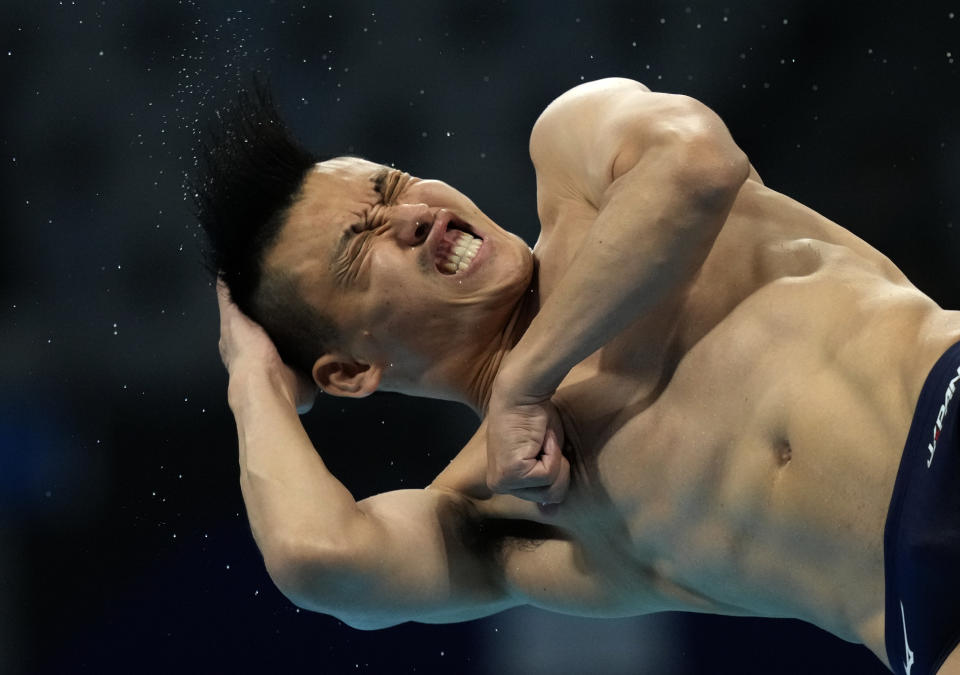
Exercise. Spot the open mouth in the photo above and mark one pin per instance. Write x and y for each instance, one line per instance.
(457, 249)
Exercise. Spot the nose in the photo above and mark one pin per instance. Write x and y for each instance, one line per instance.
(412, 223)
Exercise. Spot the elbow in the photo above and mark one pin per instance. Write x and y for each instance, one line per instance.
(311, 577)
(289, 567)
(713, 174)
(708, 162)
(711, 166)
(709, 174)
(287, 575)
(325, 580)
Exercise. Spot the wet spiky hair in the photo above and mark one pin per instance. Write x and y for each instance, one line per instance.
(250, 173)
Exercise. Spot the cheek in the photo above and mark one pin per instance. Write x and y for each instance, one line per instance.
(384, 265)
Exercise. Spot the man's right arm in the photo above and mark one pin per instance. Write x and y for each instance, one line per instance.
(398, 556)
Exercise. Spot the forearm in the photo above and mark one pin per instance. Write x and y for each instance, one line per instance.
(292, 499)
(652, 233)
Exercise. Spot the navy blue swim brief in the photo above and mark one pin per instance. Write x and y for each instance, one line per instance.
(921, 541)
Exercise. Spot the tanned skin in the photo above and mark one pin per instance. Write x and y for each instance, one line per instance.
(695, 391)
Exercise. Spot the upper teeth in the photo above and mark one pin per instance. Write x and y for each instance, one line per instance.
(464, 250)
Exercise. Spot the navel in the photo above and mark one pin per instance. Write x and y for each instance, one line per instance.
(784, 452)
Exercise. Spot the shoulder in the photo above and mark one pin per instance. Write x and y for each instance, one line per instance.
(586, 136)
(601, 87)
(589, 95)
(578, 110)
(610, 108)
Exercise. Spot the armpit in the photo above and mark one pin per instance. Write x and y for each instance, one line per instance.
(498, 538)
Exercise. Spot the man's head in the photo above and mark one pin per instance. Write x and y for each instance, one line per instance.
(377, 279)
(250, 173)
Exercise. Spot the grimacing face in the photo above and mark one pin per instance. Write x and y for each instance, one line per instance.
(418, 280)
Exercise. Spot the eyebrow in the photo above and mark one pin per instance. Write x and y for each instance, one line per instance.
(378, 179)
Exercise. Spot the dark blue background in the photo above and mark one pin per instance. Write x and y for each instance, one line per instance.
(123, 543)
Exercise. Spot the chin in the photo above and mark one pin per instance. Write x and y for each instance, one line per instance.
(522, 266)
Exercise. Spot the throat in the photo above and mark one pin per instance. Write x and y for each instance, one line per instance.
(481, 383)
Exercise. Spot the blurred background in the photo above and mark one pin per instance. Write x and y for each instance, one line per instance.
(123, 540)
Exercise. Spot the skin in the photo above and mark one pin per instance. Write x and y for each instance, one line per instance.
(718, 432)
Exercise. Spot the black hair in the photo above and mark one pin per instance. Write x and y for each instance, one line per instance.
(250, 172)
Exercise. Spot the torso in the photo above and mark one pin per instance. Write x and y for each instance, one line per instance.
(735, 451)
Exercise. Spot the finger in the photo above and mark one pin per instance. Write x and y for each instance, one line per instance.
(542, 471)
(520, 474)
(535, 464)
(556, 425)
(224, 303)
(223, 293)
(557, 465)
(547, 494)
(547, 458)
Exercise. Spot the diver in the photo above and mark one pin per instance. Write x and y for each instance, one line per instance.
(696, 393)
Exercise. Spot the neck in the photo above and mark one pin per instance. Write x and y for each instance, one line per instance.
(476, 394)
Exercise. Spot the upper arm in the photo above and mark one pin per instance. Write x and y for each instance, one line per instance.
(412, 555)
(597, 132)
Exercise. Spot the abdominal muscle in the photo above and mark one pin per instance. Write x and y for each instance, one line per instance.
(750, 469)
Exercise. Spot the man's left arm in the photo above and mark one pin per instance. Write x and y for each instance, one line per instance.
(662, 172)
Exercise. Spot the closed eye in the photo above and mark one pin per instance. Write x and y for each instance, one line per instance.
(346, 267)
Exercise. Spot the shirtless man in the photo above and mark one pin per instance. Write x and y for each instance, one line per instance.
(695, 391)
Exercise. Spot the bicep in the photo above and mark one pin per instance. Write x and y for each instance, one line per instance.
(412, 557)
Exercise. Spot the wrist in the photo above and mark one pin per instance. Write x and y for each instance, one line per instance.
(251, 382)
(522, 381)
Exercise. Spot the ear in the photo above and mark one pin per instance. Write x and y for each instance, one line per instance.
(341, 375)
